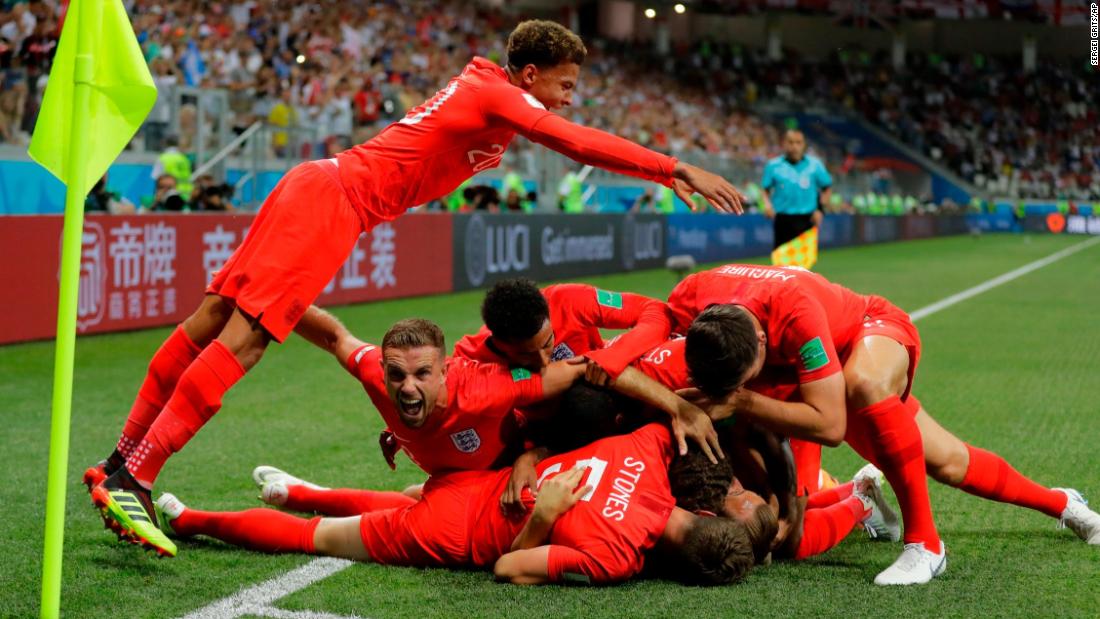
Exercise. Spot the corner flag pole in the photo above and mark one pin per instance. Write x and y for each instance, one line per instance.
(89, 13)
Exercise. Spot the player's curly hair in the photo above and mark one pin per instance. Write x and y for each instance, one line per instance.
(413, 333)
(697, 483)
(514, 310)
(716, 551)
(544, 44)
(721, 347)
(585, 415)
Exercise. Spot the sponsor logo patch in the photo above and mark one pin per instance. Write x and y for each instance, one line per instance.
(518, 374)
(610, 299)
(813, 355)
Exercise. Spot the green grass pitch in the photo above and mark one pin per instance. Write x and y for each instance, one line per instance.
(1015, 370)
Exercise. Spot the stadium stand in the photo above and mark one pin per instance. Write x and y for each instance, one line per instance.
(345, 70)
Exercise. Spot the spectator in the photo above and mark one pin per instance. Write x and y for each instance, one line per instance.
(167, 197)
(174, 163)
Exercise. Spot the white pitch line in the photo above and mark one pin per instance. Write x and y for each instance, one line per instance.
(257, 600)
(1001, 279)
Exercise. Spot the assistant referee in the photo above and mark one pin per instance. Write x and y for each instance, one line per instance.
(796, 189)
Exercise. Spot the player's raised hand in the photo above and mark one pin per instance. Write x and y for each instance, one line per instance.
(719, 193)
(559, 493)
(387, 442)
(523, 476)
(691, 422)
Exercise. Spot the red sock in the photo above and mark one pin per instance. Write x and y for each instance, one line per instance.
(825, 527)
(266, 530)
(342, 501)
(172, 358)
(196, 398)
(825, 498)
(894, 441)
(990, 477)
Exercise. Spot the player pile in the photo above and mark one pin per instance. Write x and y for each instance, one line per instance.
(606, 480)
(672, 450)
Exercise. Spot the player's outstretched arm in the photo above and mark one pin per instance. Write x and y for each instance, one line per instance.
(326, 332)
(603, 150)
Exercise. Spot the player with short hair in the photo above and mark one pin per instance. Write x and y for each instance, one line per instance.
(599, 510)
(529, 327)
(311, 220)
(850, 360)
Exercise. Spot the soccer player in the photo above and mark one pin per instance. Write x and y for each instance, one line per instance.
(598, 510)
(853, 358)
(447, 414)
(310, 222)
(528, 327)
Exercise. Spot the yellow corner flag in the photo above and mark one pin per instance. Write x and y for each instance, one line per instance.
(98, 94)
(122, 94)
(800, 251)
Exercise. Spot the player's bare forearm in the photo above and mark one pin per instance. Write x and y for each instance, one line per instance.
(559, 376)
(688, 420)
(803, 420)
(524, 567)
(634, 384)
(326, 332)
(535, 531)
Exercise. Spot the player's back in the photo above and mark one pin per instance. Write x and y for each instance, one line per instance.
(430, 151)
(612, 525)
(770, 293)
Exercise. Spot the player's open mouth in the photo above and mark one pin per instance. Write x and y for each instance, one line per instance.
(411, 408)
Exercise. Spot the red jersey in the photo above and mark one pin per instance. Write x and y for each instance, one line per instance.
(577, 313)
(807, 318)
(464, 129)
(667, 364)
(602, 539)
(475, 426)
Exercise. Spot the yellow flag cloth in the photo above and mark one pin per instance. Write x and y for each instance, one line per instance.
(122, 96)
(800, 251)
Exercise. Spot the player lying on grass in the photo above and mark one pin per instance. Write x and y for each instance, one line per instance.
(782, 523)
(852, 358)
(312, 219)
(787, 526)
(458, 414)
(599, 510)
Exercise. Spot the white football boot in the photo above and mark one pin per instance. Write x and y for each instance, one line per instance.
(1079, 518)
(264, 474)
(882, 523)
(915, 566)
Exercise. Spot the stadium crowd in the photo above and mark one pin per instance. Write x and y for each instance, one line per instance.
(344, 71)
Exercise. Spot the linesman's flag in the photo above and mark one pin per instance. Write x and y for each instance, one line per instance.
(122, 96)
(800, 251)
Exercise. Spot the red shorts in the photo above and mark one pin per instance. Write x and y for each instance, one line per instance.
(885, 318)
(435, 531)
(304, 232)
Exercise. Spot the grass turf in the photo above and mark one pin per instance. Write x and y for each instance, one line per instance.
(1013, 370)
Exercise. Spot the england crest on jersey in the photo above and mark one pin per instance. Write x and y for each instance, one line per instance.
(561, 352)
(466, 441)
